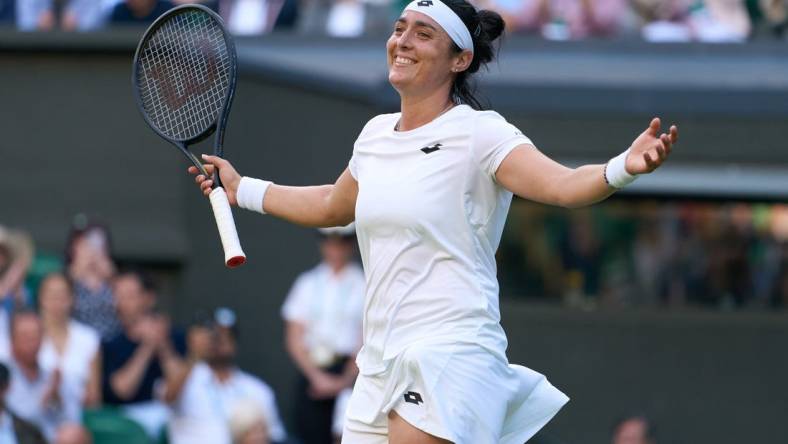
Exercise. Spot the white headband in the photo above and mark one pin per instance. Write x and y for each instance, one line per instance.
(446, 18)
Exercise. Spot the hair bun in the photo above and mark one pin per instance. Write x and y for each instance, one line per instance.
(491, 23)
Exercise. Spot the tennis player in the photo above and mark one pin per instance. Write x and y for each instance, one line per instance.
(429, 188)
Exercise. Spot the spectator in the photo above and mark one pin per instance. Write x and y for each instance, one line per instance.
(255, 17)
(323, 313)
(634, 430)
(16, 255)
(44, 398)
(214, 401)
(73, 434)
(776, 14)
(69, 347)
(90, 268)
(12, 427)
(146, 350)
(564, 19)
(138, 12)
(69, 15)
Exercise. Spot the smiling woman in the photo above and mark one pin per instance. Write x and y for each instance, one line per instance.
(430, 188)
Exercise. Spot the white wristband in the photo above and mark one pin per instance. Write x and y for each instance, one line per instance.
(251, 193)
(616, 173)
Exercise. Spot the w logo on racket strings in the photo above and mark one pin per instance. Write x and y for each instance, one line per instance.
(177, 84)
(413, 398)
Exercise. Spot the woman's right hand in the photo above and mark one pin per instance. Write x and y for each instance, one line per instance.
(229, 177)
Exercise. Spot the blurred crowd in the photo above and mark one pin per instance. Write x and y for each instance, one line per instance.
(719, 255)
(651, 20)
(87, 357)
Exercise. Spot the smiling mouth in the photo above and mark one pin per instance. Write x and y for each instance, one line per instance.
(403, 61)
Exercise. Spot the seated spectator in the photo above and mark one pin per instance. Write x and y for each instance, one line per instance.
(634, 430)
(12, 427)
(212, 400)
(73, 434)
(563, 19)
(90, 268)
(138, 12)
(44, 398)
(686, 20)
(16, 255)
(147, 349)
(68, 15)
(69, 347)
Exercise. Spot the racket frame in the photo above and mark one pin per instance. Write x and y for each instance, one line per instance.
(221, 121)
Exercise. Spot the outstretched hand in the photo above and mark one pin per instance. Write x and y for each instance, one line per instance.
(650, 149)
(229, 177)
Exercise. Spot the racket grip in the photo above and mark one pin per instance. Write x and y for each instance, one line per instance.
(233, 255)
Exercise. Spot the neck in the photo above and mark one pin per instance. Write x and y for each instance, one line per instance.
(419, 111)
(222, 372)
(55, 326)
(29, 369)
(337, 267)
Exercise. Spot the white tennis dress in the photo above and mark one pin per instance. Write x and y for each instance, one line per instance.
(429, 217)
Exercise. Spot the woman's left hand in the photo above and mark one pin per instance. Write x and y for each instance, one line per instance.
(650, 149)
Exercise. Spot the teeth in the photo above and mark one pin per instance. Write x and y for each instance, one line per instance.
(404, 61)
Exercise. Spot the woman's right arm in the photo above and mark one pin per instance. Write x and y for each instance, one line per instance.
(312, 206)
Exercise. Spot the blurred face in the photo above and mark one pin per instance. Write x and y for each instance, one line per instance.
(200, 342)
(131, 299)
(26, 338)
(336, 251)
(55, 297)
(633, 431)
(256, 434)
(90, 246)
(420, 55)
(5, 259)
(224, 349)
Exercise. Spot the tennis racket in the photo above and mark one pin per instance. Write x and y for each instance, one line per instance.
(184, 78)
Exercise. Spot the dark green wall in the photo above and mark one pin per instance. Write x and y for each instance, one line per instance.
(73, 141)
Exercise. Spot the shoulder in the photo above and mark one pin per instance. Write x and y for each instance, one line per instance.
(380, 122)
(255, 386)
(83, 333)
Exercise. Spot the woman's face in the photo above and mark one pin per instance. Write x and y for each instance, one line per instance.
(420, 55)
(56, 297)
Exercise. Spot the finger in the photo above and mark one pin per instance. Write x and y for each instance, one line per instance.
(206, 185)
(199, 178)
(214, 160)
(661, 154)
(650, 164)
(193, 170)
(653, 127)
(666, 145)
(674, 134)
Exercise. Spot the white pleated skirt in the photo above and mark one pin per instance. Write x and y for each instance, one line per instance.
(460, 392)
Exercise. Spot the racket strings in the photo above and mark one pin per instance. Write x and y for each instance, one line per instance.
(183, 75)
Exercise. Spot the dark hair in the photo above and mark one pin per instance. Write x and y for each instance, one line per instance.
(19, 313)
(80, 226)
(145, 279)
(485, 28)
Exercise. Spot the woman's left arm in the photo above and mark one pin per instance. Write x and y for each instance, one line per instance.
(531, 175)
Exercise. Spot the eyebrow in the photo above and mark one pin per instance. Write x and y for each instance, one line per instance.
(418, 23)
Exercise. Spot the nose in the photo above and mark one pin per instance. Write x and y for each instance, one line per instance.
(404, 40)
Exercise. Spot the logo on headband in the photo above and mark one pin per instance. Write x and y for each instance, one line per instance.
(425, 3)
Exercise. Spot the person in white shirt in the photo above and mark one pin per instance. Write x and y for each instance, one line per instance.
(37, 395)
(69, 346)
(212, 392)
(13, 429)
(429, 189)
(322, 315)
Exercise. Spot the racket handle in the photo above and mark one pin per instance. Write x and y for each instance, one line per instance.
(233, 255)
